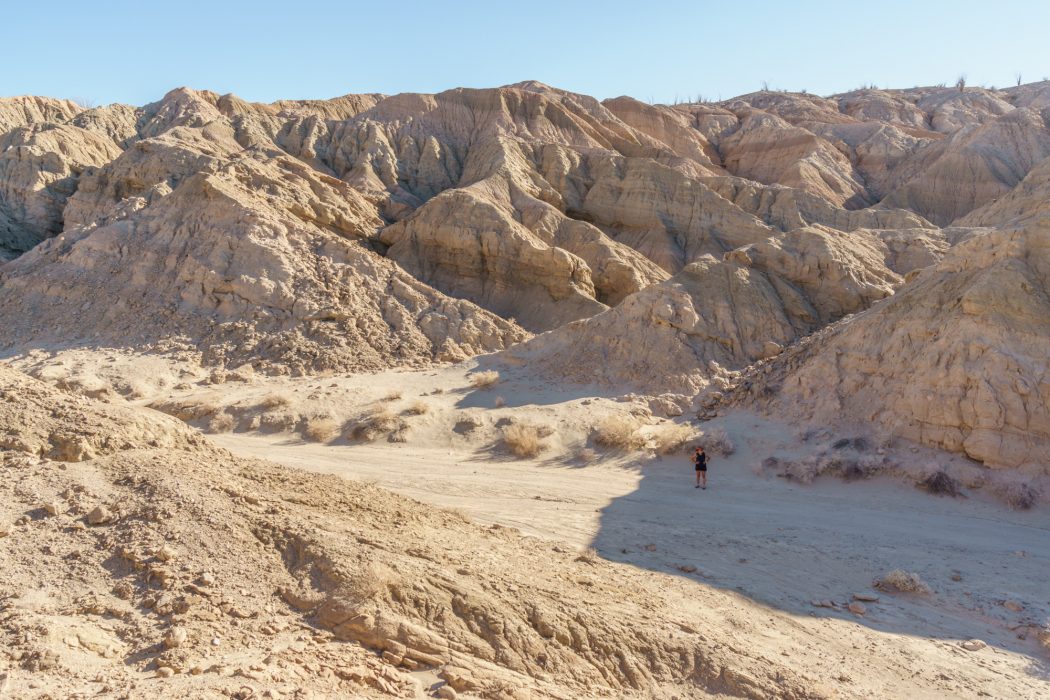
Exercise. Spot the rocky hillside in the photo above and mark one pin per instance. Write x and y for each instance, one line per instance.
(138, 556)
(656, 247)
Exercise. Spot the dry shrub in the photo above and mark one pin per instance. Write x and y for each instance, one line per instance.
(484, 380)
(941, 484)
(524, 439)
(620, 432)
(272, 401)
(321, 429)
(418, 408)
(393, 395)
(1017, 493)
(846, 465)
(221, 422)
(500, 402)
(376, 423)
(717, 441)
(588, 555)
(902, 581)
(672, 438)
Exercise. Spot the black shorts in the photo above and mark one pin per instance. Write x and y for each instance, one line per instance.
(701, 467)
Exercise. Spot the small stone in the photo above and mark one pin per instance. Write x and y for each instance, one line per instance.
(447, 692)
(206, 579)
(1013, 605)
(5, 530)
(54, 508)
(165, 672)
(857, 608)
(866, 597)
(956, 577)
(99, 515)
(175, 638)
(973, 645)
(165, 553)
(216, 641)
(687, 568)
(197, 670)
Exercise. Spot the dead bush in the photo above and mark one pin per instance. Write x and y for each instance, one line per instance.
(941, 483)
(672, 438)
(588, 555)
(1017, 493)
(393, 395)
(485, 380)
(272, 401)
(717, 441)
(418, 408)
(619, 432)
(376, 423)
(902, 581)
(221, 422)
(845, 464)
(321, 429)
(524, 439)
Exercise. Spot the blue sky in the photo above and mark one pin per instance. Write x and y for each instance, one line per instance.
(134, 52)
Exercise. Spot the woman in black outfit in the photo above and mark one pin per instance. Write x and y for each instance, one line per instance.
(700, 460)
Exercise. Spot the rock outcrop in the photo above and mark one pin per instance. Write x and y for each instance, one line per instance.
(39, 169)
(956, 359)
(973, 167)
(248, 256)
(715, 315)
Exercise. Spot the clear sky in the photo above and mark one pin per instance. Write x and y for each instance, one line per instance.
(104, 51)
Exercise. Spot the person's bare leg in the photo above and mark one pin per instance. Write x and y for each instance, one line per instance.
(698, 473)
(703, 480)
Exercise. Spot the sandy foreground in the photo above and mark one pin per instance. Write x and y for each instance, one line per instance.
(751, 546)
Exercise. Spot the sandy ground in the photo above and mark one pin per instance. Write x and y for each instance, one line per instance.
(779, 545)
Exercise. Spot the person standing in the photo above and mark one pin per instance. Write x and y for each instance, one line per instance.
(700, 462)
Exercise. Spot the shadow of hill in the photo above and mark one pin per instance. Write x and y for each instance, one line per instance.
(785, 545)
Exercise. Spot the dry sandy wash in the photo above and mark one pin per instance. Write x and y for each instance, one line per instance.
(394, 396)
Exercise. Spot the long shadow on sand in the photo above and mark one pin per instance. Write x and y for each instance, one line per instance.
(785, 545)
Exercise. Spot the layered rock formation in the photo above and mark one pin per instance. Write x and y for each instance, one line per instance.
(718, 315)
(250, 255)
(956, 359)
(369, 230)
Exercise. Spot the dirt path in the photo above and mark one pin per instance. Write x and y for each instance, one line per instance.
(781, 545)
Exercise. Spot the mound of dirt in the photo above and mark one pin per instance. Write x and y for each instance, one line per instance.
(162, 563)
